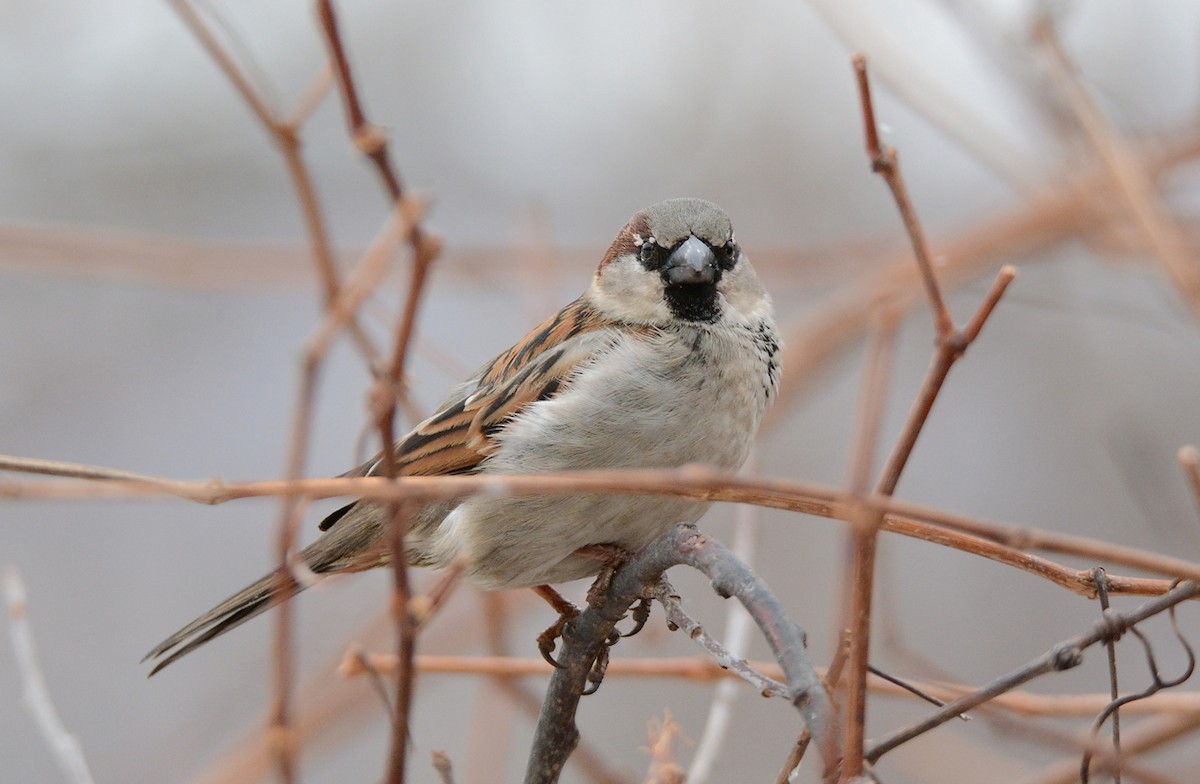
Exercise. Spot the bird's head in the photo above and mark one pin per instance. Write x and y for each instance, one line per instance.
(677, 261)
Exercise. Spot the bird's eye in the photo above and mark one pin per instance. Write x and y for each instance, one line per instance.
(651, 255)
(728, 254)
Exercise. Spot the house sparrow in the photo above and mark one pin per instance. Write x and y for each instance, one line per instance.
(670, 357)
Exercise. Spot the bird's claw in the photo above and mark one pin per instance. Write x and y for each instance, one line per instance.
(600, 666)
(641, 614)
(546, 640)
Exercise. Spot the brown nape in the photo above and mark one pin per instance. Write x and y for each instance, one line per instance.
(624, 242)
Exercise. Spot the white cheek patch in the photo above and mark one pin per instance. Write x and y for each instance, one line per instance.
(745, 298)
(625, 290)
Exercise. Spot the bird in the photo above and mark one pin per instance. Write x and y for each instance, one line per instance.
(670, 357)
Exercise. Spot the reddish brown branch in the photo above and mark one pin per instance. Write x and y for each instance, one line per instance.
(885, 163)
(951, 344)
(369, 139)
(1003, 543)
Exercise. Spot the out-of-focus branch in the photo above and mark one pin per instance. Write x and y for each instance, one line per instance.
(705, 670)
(737, 634)
(1189, 460)
(68, 752)
(1052, 218)
(1135, 184)
(441, 763)
(286, 138)
(1147, 736)
(663, 767)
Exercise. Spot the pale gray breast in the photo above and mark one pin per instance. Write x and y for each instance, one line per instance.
(694, 394)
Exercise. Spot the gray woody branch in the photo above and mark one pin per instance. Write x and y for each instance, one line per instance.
(585, 636)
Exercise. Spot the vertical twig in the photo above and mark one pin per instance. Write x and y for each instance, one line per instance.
(856, 612)
(885, 162)
(372, 142)
(1101, 579)
(406, 628)
(285, 134)
(950, 346)
(369, 139)
(286, 139)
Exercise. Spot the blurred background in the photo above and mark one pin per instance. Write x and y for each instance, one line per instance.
(156, 290)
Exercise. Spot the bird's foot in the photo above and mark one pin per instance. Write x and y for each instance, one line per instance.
(567, 612)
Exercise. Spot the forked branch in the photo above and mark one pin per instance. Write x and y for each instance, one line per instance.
(952, 343)
(586, 635)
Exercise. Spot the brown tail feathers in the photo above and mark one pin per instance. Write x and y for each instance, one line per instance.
(234, 611)
(351, 545)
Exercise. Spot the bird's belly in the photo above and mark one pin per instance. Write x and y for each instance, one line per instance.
(662, 413)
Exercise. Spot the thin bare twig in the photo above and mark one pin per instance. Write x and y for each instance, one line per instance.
(1149, 735)
(1114, 687)
(67, 750)
(885, 163)
(842, 320)
(725, 659)
(1134, 184)
(372, 142)
(704, 670)
(1063, 656)
(369, 139)
(286, 139)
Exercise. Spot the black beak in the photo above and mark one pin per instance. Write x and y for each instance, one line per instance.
(692, 262)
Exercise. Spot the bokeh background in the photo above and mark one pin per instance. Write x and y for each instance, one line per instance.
(156, 290)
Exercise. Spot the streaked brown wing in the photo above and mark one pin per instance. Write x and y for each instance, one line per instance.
(458, 437)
